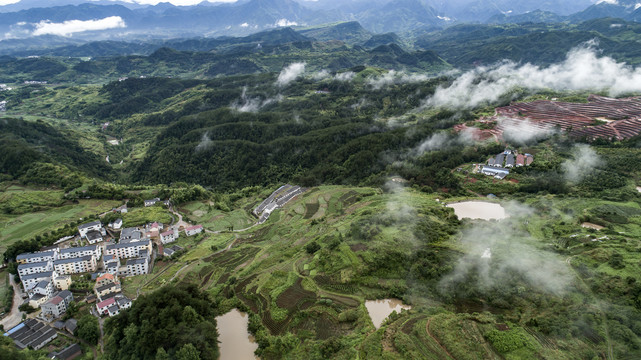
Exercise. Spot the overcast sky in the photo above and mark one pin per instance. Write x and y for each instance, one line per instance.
(145, 2)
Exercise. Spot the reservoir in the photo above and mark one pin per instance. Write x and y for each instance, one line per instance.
(236, 343)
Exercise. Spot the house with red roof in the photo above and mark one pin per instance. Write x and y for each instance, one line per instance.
(103, 306)
(193, 230)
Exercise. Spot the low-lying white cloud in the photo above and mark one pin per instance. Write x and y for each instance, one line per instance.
(583, 162)
(499, 254)
(290, 73)
(252, 104)
(524, 131)
(583, 69)
(284, 22)
(442, 140)
(68, 28)
(320, 75)
(393, 77)
(345, 76)
(205, 143)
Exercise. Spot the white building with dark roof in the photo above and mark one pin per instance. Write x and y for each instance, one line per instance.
(94, 237)
(151, 202)
(31, 333)
(54, 307)
(31, 280)
(44, 288)
(75, 265)
(92, 226)
(111, 264)
(128, 250)
(130, 234)
(75, 252)
(36, 257)
(138, 266)
(116, 225)
(34, 268)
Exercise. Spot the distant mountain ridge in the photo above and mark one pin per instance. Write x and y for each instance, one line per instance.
(250, 16)
(358, 20)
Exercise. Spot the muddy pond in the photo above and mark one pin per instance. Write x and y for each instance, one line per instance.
(236, 343)
(379, 310)
(478, 210)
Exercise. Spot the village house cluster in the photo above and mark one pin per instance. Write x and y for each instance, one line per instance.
(106, 253)
(499, 166)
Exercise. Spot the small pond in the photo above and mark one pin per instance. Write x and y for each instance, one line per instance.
(379, 310)
(479, 210)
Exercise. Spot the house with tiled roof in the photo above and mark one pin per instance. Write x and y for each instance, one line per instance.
(104, 305)
(54, 307)
(193, 230)
(169, 236)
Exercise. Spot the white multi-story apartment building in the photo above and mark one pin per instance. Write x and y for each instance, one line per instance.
(30, 258)
(75, 252)
(40, 293)
(44, 288)
(75, 265)
(31, 280)
(33, 268)
(138, 266)
(128, 250)
(92, 226)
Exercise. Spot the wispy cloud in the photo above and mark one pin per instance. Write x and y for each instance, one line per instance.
(498, 254)
(442, 140)
(522, 132)
(583, 69)
(393, 77)
(252, 104)
(583, 162)
(290, 73)
(205, 143)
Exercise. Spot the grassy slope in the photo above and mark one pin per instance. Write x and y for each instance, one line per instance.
(55, 215)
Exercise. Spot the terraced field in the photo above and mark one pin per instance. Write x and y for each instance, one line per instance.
(318, 293)
(622, 116)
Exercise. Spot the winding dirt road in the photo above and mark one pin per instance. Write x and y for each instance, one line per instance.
(15, 316)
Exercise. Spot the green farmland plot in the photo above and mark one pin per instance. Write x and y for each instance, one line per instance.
(26, 226)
